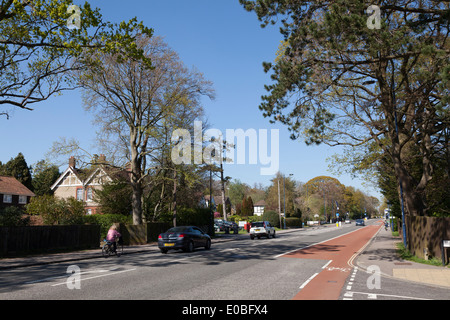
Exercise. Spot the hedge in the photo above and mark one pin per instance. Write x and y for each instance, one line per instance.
(105, 221)
(293, 222)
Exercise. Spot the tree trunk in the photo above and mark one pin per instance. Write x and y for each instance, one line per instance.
(136, 198)
(414, 199)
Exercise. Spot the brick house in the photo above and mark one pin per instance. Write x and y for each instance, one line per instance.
(81, 183)
(13, 193)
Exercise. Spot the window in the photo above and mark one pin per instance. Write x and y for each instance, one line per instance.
(7, 198)
(22, 199)
(80, 194)
(89, 212)
(89, 194)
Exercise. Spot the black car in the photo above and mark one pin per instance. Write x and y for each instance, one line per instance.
(186, 238)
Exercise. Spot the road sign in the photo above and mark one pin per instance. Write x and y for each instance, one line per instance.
(446, 243)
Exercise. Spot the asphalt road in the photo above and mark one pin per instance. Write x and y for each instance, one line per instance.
(235, 270)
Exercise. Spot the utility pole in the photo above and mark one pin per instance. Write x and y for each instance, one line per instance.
(279, 201)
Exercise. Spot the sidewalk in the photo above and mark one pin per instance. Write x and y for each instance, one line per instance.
(381, 252)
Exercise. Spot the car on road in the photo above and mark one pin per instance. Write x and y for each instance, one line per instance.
(186, 238)
(360, 222)
(261, 229)
(347, 221)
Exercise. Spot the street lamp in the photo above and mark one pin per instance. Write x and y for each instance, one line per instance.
(284, 191)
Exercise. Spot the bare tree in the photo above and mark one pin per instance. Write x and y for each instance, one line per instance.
(137, 103)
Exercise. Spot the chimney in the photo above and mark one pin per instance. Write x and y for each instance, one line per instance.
(72, 162)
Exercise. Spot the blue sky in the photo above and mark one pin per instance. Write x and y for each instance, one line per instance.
(221, 40)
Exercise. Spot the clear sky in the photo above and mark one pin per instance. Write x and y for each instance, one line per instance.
(221, 40)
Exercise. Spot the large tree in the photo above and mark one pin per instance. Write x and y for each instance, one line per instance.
(340, 81)
(18, 168)
(42, 41)
(137, 107)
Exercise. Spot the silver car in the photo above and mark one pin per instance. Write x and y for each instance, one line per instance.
(261, 228)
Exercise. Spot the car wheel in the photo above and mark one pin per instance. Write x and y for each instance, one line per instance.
(208, 244)
(252, 237)
(190, 247)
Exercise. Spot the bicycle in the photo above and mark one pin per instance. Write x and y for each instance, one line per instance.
(108, 248)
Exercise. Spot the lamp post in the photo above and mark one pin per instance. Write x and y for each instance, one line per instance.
(279, 201)
(284, 191)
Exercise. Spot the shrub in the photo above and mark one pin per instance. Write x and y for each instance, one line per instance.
(105, 221)
(293, 222)
(272, 217)
(12, 217)
(193, 216)
(57, 211)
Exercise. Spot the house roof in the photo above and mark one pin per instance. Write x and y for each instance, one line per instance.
(10, 185)
(261, 203)
(85, 176)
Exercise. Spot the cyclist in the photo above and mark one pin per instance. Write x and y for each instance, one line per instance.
(112, 235)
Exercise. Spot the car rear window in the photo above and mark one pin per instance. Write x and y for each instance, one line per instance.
(178, 229)
(258, 224)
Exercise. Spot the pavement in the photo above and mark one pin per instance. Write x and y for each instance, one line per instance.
(380, 251)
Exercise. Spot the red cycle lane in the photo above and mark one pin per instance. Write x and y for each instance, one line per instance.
(327, 284)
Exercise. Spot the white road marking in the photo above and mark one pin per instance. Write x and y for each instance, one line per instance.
(307, 281)
(99, 276)
(374, 296)
(282, 254)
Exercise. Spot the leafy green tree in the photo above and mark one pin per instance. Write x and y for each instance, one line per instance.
(43, 41)
(237, 191)
(114, 197)
(340, 81)
(44, 176)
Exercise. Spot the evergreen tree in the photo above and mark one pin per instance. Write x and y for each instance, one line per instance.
(17, 167)
(341, 80)
(44, 175)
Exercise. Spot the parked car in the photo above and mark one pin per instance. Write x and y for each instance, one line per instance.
(186, 238)
(347, 221)
(360, 222)
(261, 228)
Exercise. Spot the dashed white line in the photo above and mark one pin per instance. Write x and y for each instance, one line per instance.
(307, 281)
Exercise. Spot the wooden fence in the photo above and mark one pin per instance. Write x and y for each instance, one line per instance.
(42, 239)
(142, 234)
(425, 235)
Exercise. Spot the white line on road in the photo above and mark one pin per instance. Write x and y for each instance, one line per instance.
(326, 265)
(374, 296)
(99, 276)
(313, 244)
(307, 281)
